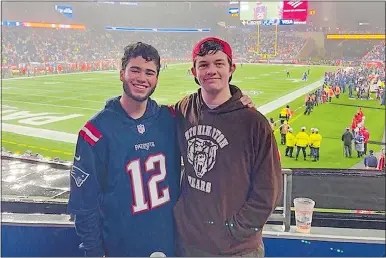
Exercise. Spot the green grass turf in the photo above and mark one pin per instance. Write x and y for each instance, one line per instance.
(19, 143)
(85, 94)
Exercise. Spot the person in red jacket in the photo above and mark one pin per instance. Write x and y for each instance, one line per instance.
(360, 113)
(381, 162)
(358, 118)
(366, 134)
(354, 125)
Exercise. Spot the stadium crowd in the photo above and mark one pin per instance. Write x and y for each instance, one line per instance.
(376, 54)
(46, 45)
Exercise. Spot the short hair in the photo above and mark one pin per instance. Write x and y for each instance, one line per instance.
(211, 46)
(146, 51)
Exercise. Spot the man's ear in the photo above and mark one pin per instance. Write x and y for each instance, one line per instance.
(193, 71)
(233, 68)
(121, 75)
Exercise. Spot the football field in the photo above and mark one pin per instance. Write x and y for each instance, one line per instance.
(37, 110)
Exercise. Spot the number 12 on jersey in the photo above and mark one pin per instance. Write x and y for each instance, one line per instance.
(156, 198)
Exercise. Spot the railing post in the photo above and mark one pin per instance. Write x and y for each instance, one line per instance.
(287, 199)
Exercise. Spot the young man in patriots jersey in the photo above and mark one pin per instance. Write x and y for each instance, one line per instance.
(126, 172)
(232, 177)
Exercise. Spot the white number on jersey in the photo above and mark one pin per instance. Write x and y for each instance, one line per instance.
(133, 168)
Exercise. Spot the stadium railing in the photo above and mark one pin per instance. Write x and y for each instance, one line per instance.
(343, 197)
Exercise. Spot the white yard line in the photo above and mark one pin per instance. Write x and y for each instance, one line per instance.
(63, 90)
(14, 90)
(57, 98)
(40, 133)
(280, 102)
(50, 105)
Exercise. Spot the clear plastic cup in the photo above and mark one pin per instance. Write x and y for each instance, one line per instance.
(304, 208)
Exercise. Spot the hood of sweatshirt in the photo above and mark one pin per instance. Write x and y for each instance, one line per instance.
(232, 104)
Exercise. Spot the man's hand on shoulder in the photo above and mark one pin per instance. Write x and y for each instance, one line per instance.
(247, 101)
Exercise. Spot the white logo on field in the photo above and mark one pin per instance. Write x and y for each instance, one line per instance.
(295, 4)
(253, 92)
(29, 118)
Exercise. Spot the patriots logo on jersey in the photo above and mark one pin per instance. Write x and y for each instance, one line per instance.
(79, 176)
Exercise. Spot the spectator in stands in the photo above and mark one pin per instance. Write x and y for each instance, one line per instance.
(371, 161)
(376, 54)
(235, 226)
(112, 216)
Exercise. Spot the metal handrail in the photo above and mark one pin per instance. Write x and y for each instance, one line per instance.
(285, 216)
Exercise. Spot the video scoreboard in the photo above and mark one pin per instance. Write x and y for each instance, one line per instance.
(270, 13)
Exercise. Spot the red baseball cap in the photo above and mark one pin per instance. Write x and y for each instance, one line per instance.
(225, 46)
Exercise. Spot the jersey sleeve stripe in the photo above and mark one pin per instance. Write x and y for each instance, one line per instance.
(93, 130)
(87, 138)
(90, 134)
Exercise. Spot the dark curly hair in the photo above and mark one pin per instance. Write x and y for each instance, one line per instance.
(146, 51)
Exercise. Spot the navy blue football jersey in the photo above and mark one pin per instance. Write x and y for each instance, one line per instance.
(125, 182)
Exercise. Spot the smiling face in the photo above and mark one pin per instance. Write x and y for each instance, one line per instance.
(139, 78)
(213, 71)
